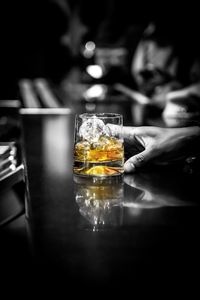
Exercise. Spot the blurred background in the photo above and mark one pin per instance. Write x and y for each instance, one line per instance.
(133, 56)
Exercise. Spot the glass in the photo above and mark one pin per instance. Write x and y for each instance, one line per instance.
(97, 151)
(100, 201)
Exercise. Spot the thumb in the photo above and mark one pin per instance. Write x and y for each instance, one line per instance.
(137, 161)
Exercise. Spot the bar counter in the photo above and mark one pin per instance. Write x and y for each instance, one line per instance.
(140, 229)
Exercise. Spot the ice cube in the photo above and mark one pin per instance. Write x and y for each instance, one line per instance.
(92, 129)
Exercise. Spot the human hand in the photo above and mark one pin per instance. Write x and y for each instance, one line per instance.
(155, 145)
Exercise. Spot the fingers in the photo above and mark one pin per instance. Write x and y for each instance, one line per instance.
(116, 130)
(133, 135)
(127, 133)
(138, 161)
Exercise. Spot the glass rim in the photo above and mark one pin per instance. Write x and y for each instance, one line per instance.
(100, 115)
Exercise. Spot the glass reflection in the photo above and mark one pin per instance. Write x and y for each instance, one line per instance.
(100, 201)
(132, 199)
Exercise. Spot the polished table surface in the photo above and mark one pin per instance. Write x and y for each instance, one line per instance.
(137, 230)
(146, 232)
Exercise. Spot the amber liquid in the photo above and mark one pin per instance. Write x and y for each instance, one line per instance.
(102, 158)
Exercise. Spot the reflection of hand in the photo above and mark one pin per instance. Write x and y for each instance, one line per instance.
(157, 145)
(153, 191)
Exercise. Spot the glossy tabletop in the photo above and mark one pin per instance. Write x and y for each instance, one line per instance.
(114, 232)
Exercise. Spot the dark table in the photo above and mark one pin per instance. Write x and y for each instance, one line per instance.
(145, 234)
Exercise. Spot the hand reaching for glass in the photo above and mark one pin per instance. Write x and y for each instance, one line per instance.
(160, 146)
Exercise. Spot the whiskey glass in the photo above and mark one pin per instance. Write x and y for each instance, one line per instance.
(98, 150)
